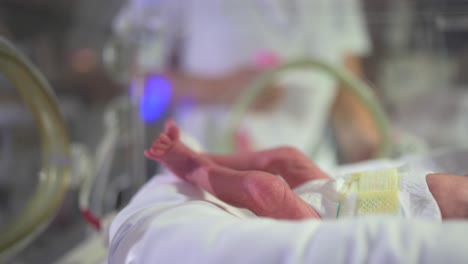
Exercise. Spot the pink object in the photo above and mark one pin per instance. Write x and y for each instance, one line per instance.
(242, 141)
(267, 59)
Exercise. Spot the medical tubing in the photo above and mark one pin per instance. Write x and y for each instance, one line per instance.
(54, 177)
(358, 88)
(104, 155)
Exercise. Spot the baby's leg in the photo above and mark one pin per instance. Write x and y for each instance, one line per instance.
(451, 194)
(288, 162)
(262, 193)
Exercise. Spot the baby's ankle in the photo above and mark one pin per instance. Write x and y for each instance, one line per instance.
(196, 173)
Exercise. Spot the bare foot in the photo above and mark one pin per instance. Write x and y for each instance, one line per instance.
(173, 154)
(261, 192)
(164, 142)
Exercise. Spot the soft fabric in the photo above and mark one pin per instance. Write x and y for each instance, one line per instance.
(170, 221)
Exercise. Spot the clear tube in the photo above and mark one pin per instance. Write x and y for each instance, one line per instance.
(54, 177)
(358, 88)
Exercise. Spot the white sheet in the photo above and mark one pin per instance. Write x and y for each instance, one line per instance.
(169, 221)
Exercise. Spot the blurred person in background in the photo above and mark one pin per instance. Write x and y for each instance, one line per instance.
(211, 50)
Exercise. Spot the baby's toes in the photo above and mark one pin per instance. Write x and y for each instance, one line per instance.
(164, 139)
(169, 124)
(158, 152)
(173, 133)
(150, 155)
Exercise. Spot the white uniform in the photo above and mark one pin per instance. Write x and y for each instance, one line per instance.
(218, 36)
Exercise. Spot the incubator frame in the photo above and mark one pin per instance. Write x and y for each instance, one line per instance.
(54, 177)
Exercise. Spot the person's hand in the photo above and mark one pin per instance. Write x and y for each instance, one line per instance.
(272, 95)
(357, 141)
(237, 83)
(356, 130)
(270, 98)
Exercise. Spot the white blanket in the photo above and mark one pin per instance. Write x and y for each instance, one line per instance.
(170, 221)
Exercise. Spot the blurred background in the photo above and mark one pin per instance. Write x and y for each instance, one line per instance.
(120, 68)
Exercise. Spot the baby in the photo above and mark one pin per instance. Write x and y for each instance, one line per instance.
(249, 180)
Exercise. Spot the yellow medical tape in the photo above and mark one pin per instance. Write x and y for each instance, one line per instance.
(377, 192)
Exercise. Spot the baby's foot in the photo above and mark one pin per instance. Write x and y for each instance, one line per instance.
(164, 142)
(171, 129)
(173, 154)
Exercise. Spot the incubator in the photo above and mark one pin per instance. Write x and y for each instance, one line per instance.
(55, 176)
(93, 180)
(55, 179)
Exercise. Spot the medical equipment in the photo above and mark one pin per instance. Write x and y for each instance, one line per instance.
(54, 176)
(375, 192)
(61, 159)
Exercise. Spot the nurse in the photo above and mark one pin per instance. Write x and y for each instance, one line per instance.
(210, 50)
